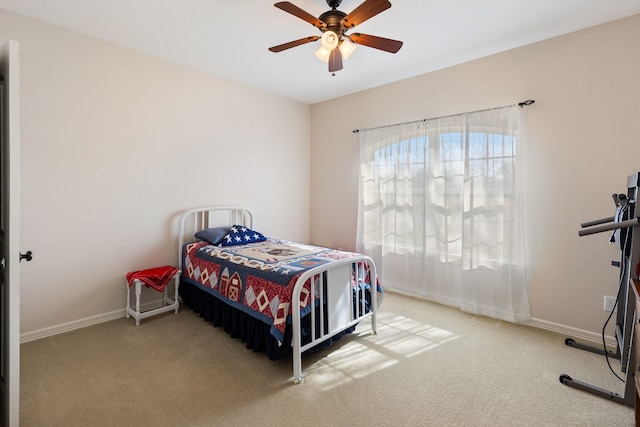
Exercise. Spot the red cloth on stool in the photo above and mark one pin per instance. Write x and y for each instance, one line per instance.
(156, 278)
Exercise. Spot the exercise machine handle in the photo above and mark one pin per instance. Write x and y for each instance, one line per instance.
(613, 226)
(597, 222)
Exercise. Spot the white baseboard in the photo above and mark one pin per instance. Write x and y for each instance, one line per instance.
(81, 323)
(575, 333)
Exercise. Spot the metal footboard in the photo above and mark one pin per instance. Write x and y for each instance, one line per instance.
(339, 291)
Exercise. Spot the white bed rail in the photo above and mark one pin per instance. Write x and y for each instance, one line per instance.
(333, 286)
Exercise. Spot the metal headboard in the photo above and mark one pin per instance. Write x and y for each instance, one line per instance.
(194, 220)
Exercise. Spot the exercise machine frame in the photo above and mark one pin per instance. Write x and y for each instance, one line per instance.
(623, 224)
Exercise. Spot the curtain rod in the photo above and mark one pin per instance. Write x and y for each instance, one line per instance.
(520, 104)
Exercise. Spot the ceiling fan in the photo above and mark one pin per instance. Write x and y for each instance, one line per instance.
(334, 24)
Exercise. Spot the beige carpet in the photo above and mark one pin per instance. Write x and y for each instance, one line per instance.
(429, 365)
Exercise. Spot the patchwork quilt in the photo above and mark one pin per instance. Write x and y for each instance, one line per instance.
(258, 278)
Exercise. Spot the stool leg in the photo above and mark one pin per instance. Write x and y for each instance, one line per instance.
(138, 292)
(128, 300)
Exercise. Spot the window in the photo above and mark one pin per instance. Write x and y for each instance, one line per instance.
(440, 206)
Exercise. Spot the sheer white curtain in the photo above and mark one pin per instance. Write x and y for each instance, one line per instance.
(440, 210)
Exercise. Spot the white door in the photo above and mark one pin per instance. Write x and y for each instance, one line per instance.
(10, 235)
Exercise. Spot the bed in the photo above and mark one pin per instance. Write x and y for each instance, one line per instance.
(277, 296)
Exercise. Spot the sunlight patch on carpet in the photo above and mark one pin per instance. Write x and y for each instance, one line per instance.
(398, 338)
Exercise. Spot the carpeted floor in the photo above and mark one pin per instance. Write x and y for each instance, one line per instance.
(429, 365)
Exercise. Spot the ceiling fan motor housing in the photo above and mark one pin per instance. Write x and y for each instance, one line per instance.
(333, 19)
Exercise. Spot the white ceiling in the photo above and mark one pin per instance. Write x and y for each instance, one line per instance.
(230, 38)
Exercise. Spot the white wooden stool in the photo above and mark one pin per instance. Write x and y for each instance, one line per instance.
(168, 303)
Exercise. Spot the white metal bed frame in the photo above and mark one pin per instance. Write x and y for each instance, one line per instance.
(342, 313)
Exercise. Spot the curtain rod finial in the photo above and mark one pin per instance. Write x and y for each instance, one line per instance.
(527, 102)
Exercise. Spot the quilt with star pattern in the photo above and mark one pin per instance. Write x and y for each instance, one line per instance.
(258, 278)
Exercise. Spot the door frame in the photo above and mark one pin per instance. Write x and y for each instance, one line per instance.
(9, 67)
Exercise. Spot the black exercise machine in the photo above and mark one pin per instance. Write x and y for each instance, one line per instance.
(623, 224)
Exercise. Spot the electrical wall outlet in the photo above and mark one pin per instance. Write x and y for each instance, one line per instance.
(609, 303)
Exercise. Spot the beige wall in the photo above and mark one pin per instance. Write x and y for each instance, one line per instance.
(580, 142)
(115, 144)
(112, 142)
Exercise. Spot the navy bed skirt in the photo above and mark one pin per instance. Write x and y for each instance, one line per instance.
(238, 324)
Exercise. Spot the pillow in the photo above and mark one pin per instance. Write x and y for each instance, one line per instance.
(213, 235)
(239, 235)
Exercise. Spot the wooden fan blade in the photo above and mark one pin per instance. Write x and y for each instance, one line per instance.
(296, 11)
(335, 60)
(388, 45)
(366, 10)
(294, 43)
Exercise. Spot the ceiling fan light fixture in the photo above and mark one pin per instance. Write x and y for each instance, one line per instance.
(329, 40)
(323, 54)
(346, 48)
